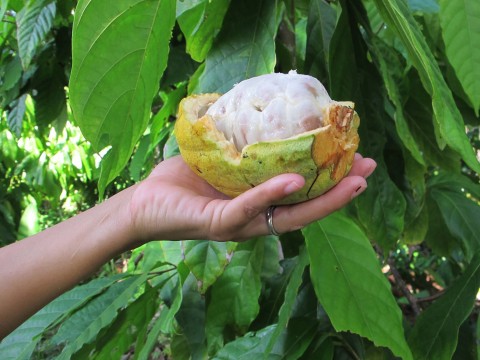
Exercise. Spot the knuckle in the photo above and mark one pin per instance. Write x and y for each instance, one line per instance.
(250, 211)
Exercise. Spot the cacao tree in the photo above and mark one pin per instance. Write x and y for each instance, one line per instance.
(396, 274)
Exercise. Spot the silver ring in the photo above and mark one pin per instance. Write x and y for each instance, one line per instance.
(272, 230)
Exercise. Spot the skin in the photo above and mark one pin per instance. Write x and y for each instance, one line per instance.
(172, 203)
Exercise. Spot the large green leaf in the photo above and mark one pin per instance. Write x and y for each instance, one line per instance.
(200, 22)
(83, 326)
(207, 260)
(119, 53)
(460, 21)
(21, 343)
(241, 54)
(234, 296)
(350, 285)
(448, 120)
(435, 333)
(34, 22)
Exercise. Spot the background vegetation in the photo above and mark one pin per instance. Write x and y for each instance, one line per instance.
(400, 279)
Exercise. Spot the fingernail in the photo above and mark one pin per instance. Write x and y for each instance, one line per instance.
(292, 187)
(370, 171)
(358, 191)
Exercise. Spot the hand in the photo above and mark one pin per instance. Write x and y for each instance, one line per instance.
(174, 203)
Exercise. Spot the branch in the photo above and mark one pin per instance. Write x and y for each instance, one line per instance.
(412, 300)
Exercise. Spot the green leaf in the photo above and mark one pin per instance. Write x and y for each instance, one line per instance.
(291, 291)
(119, 53)
(234, 297)
(21, 342)
(83, 326)
(461, 217)
(191, 318)
(200, 21)
(419, 115)
(12, 74)
(171, 100)
(171, 294)
(435, 333)
(390, 68)
(320, 26)
(291, 345)
(49, 96)
(460, 21)
(3, 8)
(139, 158)
(207, 260)
(438, 236)
(16, 114)
(381, 207)
(34, 22)
(424, 6)
(350, 285)
(448, 120)
(129, 326)
(239, 55)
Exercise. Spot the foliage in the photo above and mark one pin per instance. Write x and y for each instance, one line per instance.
(395, 274)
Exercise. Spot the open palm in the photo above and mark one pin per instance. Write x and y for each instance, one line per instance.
(174, 203)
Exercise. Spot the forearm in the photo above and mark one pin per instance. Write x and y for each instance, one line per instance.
(36, 270)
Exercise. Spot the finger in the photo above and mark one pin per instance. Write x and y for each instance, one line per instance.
(294, 217)
(249, 207)
(362, 166)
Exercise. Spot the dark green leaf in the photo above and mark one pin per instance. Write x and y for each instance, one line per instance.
(12, 73)
(290, 295)
(321, 23)
(382, 206)
(34, 22)
(391, 70)
(438, 237)
(350, 285)
(239, 55)
(120, 51)
(448, 120)
(49, 94)
(191, 318)
(16, 114)
(419, 115)
(435, 333)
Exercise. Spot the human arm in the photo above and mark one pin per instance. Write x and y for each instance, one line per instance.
(172, 203)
